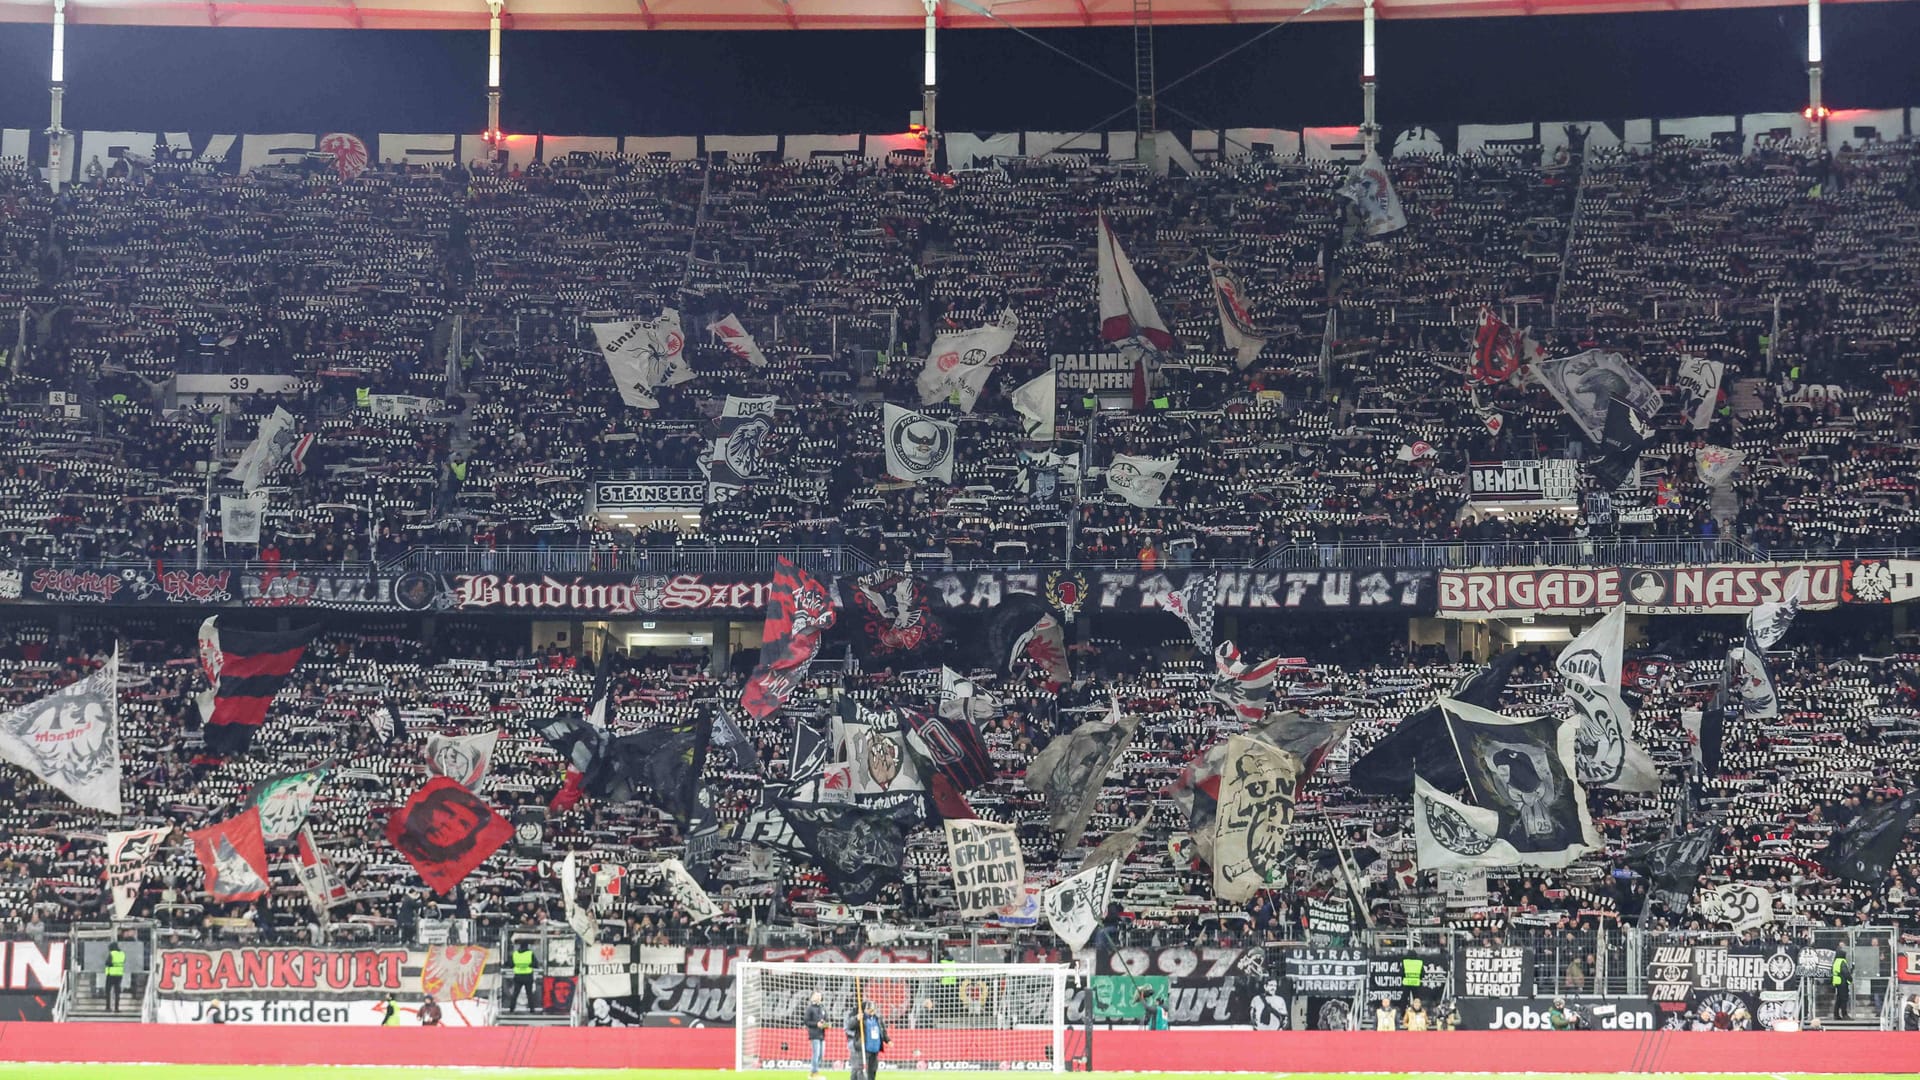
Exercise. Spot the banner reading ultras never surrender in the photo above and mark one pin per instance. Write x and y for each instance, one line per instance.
(1673, 590)
(323, 986)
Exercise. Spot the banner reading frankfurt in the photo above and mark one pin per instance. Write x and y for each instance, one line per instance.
(1673, 590)
(330, 986)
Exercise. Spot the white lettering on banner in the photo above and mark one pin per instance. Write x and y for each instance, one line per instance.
(680, 592)
(1551, 480)
(226, 385)
(1729, 590)
(33, 966)
(649, 494)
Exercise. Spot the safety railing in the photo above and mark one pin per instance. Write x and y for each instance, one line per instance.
(745, 560)
(717, 560)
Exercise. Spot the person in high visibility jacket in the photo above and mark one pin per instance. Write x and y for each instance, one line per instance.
(1842, 976)
(522, 978)
(389, 1012)
(116, 972)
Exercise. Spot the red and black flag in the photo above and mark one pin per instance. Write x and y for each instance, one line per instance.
(446, 831)
(800, 610)
(951, 747)
(246, 668)
(892, 615)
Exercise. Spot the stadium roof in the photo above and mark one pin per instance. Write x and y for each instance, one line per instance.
(785, 14)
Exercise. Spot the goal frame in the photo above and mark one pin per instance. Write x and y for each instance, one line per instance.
(1057, 976)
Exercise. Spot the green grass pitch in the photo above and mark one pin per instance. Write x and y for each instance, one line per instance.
(354, 1072)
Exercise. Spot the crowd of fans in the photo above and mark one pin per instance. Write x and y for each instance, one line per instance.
(1793, 268)
(1848, 726)
(468, 292)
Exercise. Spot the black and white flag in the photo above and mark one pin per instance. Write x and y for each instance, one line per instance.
(861, 849)
(1075, 907)
(989, 872)
(1767, 625)
(240, 518)
(1627, 435)
(684, 890)
(464, 759)
(1237, 331)
(1521, 773)
(1255, 812)
(1371, 192)
(1673, 867)
(643, 355)
(1035, 401)
(127, 856)
(961, 361)
(917, 447)
(961, 699)
(584, 925)
(70, 739)
(1589, 670)
(1195, 603)
(1700, 389)
(881, 770)
(270, 446)
(1140, 480)
(1864, 849)
(1069, 772)
(1586, 383)
(741, 437)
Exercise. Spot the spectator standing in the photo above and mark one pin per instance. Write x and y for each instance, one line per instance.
(816, 1035)
(429, 1012)
(116, 971)
(523, 959)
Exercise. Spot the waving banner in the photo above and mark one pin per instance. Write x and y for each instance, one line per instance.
(1076, 906)
(988, 870)
(70, 739)
(127, 855)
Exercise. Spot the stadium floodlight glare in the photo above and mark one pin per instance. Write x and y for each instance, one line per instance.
(943, 1017)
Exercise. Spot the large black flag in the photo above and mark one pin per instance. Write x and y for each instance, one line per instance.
(861, 849)
(662, 762)
(1022, 629)
(1523, 769)
(1624, 437)
(1421, 739)
(1864, 849)
(1673, 867)
(891, 616)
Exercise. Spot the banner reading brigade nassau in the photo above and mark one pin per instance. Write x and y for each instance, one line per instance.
(1673, 590)
(250, 985)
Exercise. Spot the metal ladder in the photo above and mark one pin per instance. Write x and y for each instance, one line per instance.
(1143, 83)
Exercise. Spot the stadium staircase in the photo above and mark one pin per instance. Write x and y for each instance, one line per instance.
(531, 1019)
(1746, 397)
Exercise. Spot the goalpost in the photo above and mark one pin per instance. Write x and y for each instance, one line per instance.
(938, 1016)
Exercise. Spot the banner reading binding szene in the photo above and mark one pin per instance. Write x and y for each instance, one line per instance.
(347, 987)
(1731, 589)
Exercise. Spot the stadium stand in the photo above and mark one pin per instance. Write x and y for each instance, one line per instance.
(1341, 446)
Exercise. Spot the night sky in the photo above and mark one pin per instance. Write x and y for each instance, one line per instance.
(1435, 72)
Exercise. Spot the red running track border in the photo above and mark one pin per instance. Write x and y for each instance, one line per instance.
(1171, 1051)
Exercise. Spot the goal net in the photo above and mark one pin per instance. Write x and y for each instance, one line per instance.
(937, 1016)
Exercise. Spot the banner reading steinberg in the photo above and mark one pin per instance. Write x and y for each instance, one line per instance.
(323, 986)
(1672, 590)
